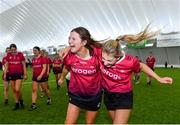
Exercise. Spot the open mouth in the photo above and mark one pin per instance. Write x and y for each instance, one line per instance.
(72, 46)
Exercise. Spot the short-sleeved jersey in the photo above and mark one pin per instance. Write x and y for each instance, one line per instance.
(37, 65)
(48, 62)
(85, 78)
(150, 61)
(4, 60)
(15, 65)
(118, 77)
(57, 61)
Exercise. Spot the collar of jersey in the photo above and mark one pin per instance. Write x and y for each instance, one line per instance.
(124, 54)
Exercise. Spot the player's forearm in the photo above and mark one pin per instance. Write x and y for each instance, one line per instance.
(43, 70)
(64, 52)
(24, 68)
(148, 71)
(48, 67)
(5, 68)
(64, 73)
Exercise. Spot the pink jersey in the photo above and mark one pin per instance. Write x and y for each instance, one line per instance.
(85, 76)
(37, 65)
(57, 61)
(15, 63)
(118, 77)
(150, 61)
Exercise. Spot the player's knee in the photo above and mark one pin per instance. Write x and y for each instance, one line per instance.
(69, 122)
(89, 121)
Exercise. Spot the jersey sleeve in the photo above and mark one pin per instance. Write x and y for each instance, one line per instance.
(44, 60)
(50, 61)
(22, 57)
(136, 65)
(4, 60)
(7, 57)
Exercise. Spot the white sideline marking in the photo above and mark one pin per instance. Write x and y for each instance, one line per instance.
(24, 83)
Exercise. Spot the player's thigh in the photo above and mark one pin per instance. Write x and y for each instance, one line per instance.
(121, 116)
(91, 116)
(72, 114)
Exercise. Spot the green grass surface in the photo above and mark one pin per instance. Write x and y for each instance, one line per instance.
(155, 104)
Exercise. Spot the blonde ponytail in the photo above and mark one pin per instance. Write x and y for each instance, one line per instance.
(143, 35)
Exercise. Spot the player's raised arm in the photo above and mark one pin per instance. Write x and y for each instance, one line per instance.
(147, 70)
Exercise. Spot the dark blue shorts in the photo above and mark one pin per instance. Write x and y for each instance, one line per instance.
(14, 77)
(115, 101)
(90, 103)
(43, 79)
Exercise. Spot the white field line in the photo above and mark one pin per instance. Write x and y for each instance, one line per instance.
(25, 83)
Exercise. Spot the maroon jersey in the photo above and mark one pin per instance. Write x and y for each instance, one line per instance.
(85, 76)
(4, 60)
(50, 61)
(59, 62)
(118, 77)
(37, 65)
(15, 63)
(150, 61)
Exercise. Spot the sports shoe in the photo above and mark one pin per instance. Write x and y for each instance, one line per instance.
(42, 95)
(58, 86)
(21, 103)
(137, 82)
(33, 107)
(6, 102)
(49, 101)
(149, 83)
(16, 107)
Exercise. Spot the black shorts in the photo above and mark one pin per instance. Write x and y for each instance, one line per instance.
(43, 79)
(57, 71)
(115, 101)
(14, 77)
(90, 103)
(6, 79)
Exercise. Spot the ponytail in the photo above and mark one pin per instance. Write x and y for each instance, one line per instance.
(143, 35)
